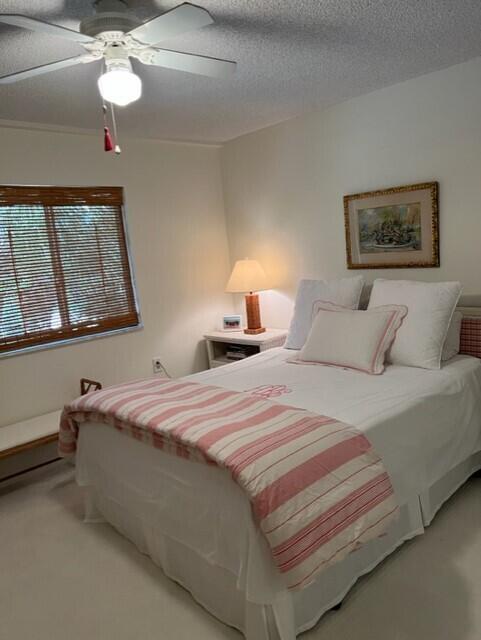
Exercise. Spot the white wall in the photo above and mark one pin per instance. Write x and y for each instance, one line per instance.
(283, 186)
(177, 233)
(283, 190)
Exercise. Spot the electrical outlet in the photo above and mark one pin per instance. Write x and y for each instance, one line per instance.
(158, 367)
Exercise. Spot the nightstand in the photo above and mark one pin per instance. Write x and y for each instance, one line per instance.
(219, 343)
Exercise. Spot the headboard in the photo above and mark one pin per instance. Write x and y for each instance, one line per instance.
(469, 305)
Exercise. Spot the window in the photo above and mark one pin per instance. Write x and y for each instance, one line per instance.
(64, 265)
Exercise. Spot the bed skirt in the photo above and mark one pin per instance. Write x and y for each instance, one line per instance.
(276, 614)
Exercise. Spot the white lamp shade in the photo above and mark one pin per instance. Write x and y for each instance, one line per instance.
(247, 275)
(120, 86)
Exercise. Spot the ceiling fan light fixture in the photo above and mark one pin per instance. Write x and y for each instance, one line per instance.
(119, 84)
(113, 35)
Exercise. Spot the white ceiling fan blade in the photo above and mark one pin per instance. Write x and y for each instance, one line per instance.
(45, 68)
(33, 24)
(181, 19)
(200, 65)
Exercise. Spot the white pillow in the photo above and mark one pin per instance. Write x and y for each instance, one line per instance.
(419, 342)
(352, 339)
(453, 339)
(345, 292)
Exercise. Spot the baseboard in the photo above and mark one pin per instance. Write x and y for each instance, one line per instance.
(27, 460)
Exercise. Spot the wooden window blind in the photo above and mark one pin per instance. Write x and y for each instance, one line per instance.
(64, 265)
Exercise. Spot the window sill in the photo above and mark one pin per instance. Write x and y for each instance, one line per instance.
(69, 341)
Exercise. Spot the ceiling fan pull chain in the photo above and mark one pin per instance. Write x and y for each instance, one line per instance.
(117, 149)
(108, 144)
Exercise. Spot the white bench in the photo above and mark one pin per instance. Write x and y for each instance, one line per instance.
(29, 434)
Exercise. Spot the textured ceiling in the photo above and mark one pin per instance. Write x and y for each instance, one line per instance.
(293, 56)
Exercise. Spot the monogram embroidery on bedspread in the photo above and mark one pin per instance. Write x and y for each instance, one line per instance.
(317, 488)
(269, 390)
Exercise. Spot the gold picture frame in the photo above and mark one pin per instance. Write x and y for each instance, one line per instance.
(394, 228)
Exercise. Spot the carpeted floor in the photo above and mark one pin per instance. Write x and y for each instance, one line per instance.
(62, 579)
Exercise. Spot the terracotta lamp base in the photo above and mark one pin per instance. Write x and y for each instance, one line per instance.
(253, 315)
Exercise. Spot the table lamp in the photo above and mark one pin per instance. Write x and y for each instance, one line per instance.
(247, 277)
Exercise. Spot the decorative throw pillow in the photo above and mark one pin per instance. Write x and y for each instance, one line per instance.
(345, 292)
(352, 339)
(419, 342)
(451, 344)
(470, 341)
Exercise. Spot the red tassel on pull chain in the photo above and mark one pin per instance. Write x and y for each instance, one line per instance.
(108, 144)
(108, 139)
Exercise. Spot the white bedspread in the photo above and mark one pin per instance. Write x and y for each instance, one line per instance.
(422, 422)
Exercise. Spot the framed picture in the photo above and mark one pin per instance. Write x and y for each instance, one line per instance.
(393, 228)
(231, 323)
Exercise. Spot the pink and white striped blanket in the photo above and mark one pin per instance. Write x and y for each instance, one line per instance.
(317, 489)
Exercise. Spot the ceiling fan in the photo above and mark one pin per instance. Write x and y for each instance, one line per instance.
(114, 35)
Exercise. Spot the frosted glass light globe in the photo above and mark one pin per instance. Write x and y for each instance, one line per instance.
(120, 86)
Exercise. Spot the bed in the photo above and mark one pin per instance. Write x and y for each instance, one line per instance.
(196, 523)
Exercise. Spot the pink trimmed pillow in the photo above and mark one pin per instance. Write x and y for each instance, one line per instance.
(351, 339)
(343, 291)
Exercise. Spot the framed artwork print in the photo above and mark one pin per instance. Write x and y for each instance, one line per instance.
(393, 228)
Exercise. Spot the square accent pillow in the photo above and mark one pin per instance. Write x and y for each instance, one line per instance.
(420, 340)
(351, 339)
(470, 339)
(345, 292)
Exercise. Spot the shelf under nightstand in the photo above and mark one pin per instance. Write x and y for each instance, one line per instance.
(218, 343)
